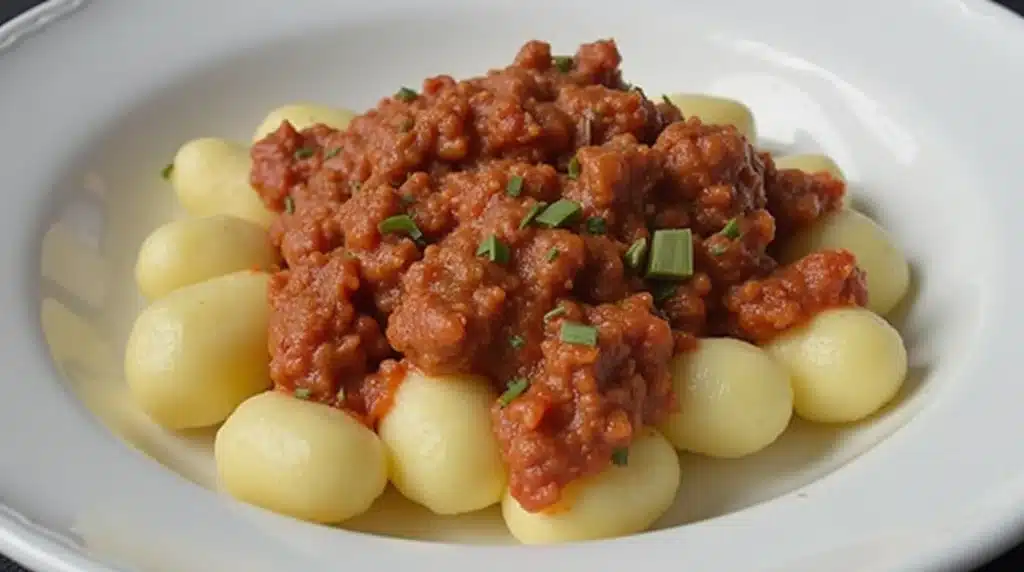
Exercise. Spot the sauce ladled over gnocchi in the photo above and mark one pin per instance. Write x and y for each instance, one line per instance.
(524, 288)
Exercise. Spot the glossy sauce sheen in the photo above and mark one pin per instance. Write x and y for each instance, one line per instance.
(353, 308)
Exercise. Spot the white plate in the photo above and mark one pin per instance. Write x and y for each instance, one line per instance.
(918, 100)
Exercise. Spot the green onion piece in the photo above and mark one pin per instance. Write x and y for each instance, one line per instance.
(731, 229)
(405, 94)
(516, 342)
(634, 256)
(563, 63)
(515, 387)
(596, 225)
(515, 186)
(573, 170)
(405, 125)
(620, 457)
(532, 214)
(717, 249)
(302, 392)
(662, 291)
(671, 254)
(667, 100)
(304, 152)
(400, 224)
(165, 173)
(331, 153)
(493, 249)
(552, 254)
(559, 213)
(554, 313)
(289, 204)
(573, 333)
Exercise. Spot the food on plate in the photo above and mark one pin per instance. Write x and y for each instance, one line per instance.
(528, 288)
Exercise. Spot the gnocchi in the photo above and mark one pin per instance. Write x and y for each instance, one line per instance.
(717, 110)
(845, 364)
(188, 251)
(300, 458)
(195, 354)
(734, 400)
(211, 176)
(301, 116)
(886, 269)
(622, 500)
(438, 435)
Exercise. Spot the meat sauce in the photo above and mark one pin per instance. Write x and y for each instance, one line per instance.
(470, 162)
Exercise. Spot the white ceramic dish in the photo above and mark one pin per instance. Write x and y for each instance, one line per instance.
(922, 112)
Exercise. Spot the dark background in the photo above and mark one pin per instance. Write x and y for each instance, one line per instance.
(1011, 562)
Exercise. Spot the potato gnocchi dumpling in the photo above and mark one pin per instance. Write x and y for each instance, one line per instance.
(188, 251)
(300, 458)
(621, 500)
(211, 176)
(443, 452)
(734, 399)
(717, 110)
(846, 363)
(301, 116)
(195, 354)
(885, 267)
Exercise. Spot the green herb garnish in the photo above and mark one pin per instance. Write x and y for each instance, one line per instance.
(514, 388)
(532, 214)
(731, 229)
(671, 254)
(559, 213)
(517, 342)
(579, 334)
(167, 171)
(620, 457)
(554, 313)
(304, 152)
(634, 256)
(563, 63)
(515, 186)
(400, 224)
(405, 94)
(573, 169)
(552, 254)
(493, 249)
(662, 291)
(596, 225)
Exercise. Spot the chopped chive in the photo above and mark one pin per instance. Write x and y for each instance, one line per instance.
(330, 154)
(515, 186)
(662, 291)
(620, 457)
(579, 334)
(517, 342)
(596, 225)
(552, 254)
(532, 214)
(515, 387)
(731, 229)
(563, 63)
(304, 152)
(634, 256)
(559, 213)
(405, 94)
(405, 125)
(302, 392)
(717, 249)
(573, 170)
(667, 100)
(671, 254)
(289, 204)
(493, 249)
(400, 224)
(166, 172)
(554, 313)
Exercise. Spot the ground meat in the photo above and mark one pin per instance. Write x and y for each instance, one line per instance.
(471, 281)
(761, 309)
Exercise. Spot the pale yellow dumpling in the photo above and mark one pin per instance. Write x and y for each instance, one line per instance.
(211, 176)
(303, 115)
(846, 363)
(620, 501)
(442, 448)
(717, 111)
(734, 399)
(300, 458)
(192, 250)
(886, 268)
(196, 353)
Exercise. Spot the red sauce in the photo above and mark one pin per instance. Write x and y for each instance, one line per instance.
(354, 307)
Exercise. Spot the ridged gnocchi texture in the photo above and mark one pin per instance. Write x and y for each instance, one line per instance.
(211, 176)
(195, 354)
(301, 116)
(300, 458)
(734, 399)
(846, 363)
(621, 500)
(443, 452)
(189, 251)
(717, 110)
(814, 163)
(886, 268)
